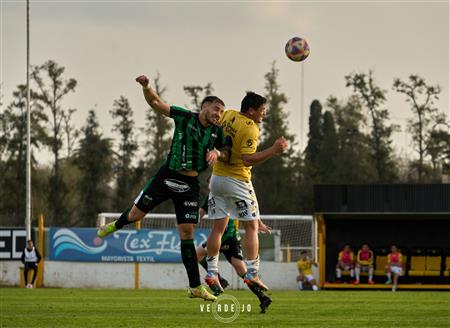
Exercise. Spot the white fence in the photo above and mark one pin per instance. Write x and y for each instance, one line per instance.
(152, 275)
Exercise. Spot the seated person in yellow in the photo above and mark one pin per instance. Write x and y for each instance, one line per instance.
(346, 260)
(364, 262)
(305, 272)
(394, 267)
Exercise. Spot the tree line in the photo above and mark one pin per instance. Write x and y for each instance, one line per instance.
(349, 141)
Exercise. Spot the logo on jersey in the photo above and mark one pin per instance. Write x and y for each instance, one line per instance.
(176, 185)
(190, 204)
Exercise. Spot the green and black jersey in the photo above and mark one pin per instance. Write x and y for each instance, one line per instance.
(191, 141)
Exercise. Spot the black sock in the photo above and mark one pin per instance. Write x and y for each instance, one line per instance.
(255, 290)
(25, 273)
(34, 275)
(123, 220)
(189, 257)
(204, 264)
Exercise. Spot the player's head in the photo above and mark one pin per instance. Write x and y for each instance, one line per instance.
(213, 108)
(365, 247)
(394, 249)
(303, 254)
(347, 248)
(30, 244)
(254, 106)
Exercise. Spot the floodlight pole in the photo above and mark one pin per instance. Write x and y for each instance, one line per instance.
(28, 164)
(302, 103)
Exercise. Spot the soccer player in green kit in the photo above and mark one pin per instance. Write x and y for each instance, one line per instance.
(196, 143)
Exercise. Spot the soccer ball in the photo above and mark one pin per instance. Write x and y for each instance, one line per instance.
(297, 49)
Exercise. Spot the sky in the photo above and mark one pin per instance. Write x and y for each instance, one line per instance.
(105, 45)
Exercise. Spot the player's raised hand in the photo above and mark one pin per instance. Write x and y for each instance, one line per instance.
(280, 145)
(142, 80)
(264, 228)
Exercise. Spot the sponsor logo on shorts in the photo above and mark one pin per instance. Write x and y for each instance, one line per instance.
(190, 204)
(191, 216)
(211, 206)
(147, 200)
(243, 213)
(241, 205)
(176, 185)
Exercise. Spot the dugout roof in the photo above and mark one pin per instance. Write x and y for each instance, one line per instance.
(390, 199)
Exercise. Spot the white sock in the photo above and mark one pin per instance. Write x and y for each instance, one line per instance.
(370, 273)
(338, 273)
(352, 273)
(213, 263)
(300, 285)
(357, 272)
(388, 275)
(252, 264)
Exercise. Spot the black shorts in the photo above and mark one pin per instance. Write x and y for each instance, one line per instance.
(230, 247)
(168, 184)
(30, 265)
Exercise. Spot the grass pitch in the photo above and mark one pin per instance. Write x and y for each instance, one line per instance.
(163, 308)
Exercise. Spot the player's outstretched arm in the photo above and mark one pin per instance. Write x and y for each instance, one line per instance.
(152, 97)
(279, 146)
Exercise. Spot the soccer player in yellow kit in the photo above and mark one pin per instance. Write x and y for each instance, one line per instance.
(232, 191)
(305, 272)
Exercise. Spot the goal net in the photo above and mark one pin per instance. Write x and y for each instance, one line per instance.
(290, 233)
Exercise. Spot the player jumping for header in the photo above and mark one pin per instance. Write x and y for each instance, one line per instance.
(195, 145)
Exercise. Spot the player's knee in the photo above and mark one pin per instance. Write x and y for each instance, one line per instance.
(135, 214)
(219, 227)
(186, 232)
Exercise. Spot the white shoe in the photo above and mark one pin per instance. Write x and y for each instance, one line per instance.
(394, 288)
(315, 288)
(29, 286)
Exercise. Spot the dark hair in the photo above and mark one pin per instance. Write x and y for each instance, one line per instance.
(252, 100)
(303, 252)
(212, 99)
(30, 240)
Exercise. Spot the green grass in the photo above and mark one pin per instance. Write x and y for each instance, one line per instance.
(161, 308)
